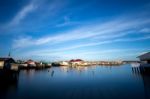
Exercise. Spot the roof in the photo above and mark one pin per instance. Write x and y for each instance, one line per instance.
(30, 60)
(6, 59)
(145, 56)
(77, 60)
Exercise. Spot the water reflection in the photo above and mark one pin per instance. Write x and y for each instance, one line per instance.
(52, 73)
(8, 83)
(145, 76)
(64, 68)
(74, 68)
(146, 83)
(29, 72)
(90, 82)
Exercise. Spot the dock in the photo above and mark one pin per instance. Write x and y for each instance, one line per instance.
(104, 62)
(79, 62)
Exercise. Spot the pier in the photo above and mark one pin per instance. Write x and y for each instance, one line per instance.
(104, 62)
(79, 62)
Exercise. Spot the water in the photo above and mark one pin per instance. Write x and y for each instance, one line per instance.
(93, 82)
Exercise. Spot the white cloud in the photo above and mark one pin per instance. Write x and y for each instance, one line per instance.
(67, 22)
(84, 54)
(63, 52)
(22, 14)
(145, 30)
(111, 29)
(22, 41)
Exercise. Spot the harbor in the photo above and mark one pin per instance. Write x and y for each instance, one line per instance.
(75, 78)
(77, 82)
(9, 63)
(74, 49)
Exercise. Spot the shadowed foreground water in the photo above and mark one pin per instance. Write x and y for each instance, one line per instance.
(93, 82)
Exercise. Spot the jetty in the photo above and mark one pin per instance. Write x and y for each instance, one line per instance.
(104, 62)
(145, 60)
(80, 62)
(143, 66)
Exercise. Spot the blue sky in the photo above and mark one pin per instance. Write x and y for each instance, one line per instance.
(64, 29)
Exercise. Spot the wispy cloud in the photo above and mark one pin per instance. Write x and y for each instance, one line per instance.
(26, 41)
(23, 13)
(145, 30)
(85, 54)
(67, 29)
(107, 42)
(67, 22)
(59, 51)
(111, 29)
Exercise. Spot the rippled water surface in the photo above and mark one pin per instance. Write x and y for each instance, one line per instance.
(92, 82)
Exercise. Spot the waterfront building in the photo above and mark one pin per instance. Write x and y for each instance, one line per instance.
(63, 63)
(5, 63)
(30, 63)
(8, 64)
(77, 62)
(145, 59)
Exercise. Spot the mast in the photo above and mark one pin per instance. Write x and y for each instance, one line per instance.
(9, 54)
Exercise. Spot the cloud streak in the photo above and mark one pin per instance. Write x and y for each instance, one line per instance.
(112, 29)
(59, 51)
(23, 13)
(85, 54)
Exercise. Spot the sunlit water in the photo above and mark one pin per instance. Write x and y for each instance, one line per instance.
(93, 82)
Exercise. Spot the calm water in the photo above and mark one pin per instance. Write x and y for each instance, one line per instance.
(94, 82)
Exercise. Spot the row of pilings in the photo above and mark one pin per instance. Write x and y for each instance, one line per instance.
(141, 70)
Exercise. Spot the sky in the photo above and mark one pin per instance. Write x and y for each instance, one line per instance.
(54, 30)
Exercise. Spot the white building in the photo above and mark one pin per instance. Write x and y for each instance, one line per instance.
(63, 63)
(77, 62)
